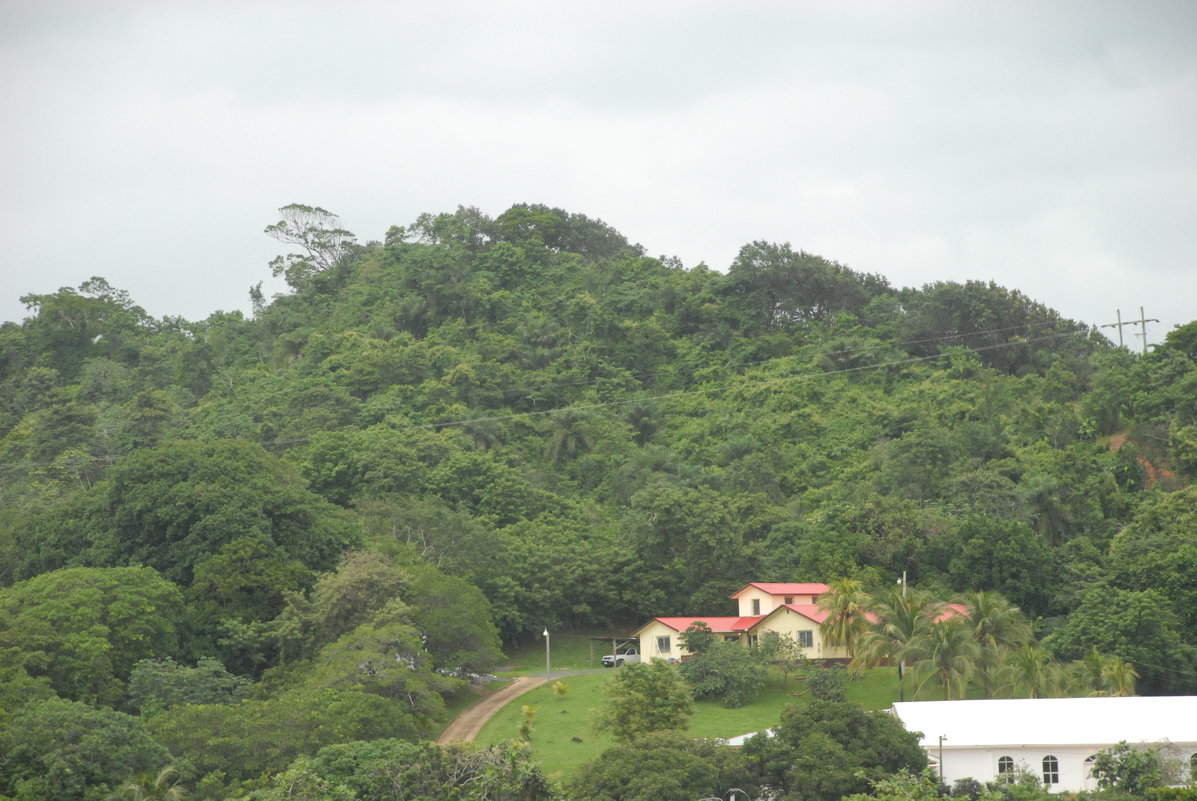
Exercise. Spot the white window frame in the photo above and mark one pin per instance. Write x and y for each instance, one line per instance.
(1051, 770)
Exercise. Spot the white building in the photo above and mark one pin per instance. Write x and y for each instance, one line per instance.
(1053, 738)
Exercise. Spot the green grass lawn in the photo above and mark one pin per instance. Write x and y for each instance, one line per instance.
(558, 721)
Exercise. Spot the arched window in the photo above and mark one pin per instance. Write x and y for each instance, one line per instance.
(1051, 770)
(1006, 768)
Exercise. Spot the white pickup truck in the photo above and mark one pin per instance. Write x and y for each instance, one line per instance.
(618, 658)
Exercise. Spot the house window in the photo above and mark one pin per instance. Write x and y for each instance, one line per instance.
(1006, 768)
(806, 639)
(1051, 770)
(756, 606)
(789, 599)
(1089, 766)
(754, 640)
(663, 644)
(731, 637)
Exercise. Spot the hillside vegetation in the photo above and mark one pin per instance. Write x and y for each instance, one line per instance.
(243, 539)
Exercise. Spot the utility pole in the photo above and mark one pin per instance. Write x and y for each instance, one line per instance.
(1141, 322)
(1118, 325)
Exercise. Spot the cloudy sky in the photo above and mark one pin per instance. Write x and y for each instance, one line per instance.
(1048, 146)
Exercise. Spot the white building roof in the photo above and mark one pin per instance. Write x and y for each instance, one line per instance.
(1052, 721)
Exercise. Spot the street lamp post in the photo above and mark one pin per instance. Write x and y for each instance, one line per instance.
(942, 737)
(548, 665)
(902, 662)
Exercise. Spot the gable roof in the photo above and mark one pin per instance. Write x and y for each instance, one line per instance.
(810, 611)
(783, 589)
(719, 625)
(1052, 721)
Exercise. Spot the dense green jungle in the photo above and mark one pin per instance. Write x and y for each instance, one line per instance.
(228, 543)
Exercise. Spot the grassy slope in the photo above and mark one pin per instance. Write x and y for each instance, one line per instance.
(558, 721)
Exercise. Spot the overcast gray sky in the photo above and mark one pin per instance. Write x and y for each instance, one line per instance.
(1048, 146)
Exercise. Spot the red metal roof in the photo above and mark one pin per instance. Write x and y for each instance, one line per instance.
(952, 611)
(717, 624)
(784, 589)
(814, 612)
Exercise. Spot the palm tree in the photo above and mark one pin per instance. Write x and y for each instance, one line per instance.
(1118, 676)
(845, 604)
(148, 787)
(644, 418)
(1047, 507)
(1099, 674)
(570, 433)
(1088, 671)
(998, 626)
(949, 653)
(903, 619)
(1030, 672)
(483, 428)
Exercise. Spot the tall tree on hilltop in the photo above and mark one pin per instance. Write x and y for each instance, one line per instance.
(325, 243)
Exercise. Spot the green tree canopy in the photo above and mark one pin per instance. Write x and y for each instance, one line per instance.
(174, 506)
(392, 770)
(662, 765)
(825, 750)
(645, 697)
(1137, 626)
(68, 750)
(157, 684)
(84, 628)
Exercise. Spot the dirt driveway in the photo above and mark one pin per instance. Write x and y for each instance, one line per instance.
(465, 727)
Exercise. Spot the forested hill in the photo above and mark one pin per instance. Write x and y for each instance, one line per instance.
(529, 422)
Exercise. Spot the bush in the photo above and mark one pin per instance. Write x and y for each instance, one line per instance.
(827, 684)
(718, 669)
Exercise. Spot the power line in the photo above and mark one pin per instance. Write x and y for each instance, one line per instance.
(279, 443)
(710, 390)
(644, 376)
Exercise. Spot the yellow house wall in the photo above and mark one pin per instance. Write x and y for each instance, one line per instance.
(785, 623)
(648, 642)
(768, 604)
(788, 623)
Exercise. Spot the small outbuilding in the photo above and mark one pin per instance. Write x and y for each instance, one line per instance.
(1052, 738)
